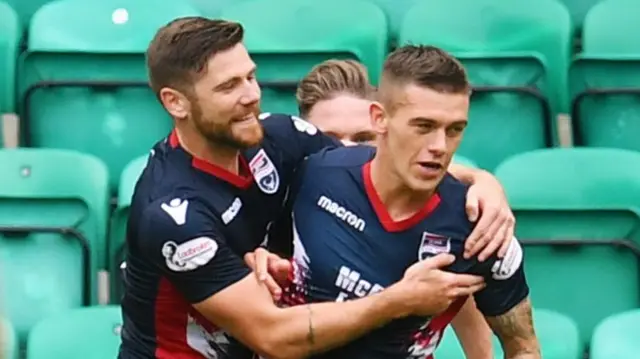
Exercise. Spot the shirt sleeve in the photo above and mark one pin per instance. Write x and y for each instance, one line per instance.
(505, 279)
(299, 137)
(180, 238)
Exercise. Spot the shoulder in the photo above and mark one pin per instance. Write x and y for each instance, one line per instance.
(276, 124)
(176, 218)
(342, 157)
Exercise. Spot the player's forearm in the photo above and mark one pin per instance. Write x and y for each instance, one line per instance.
(307, 329)
(516, 333)
(473, 332)
(470, 175)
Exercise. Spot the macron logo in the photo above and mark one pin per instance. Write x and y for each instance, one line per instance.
(177, 209)
(342, 213)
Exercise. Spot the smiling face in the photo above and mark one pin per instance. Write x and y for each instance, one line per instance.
(422, 114)
(225, 103)
(205, 79)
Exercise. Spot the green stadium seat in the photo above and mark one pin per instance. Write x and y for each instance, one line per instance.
(128, 181)
(10, 34)
(558, 336)
(26, 8)
(88, 77)
(577, 215)
(605, 77)
(84, 333)
(395, 10)
(616, 337)
(461, 160)
(213, 8)
(9, 347)
(578, 10)
(300, 34)
(53, 222)
(516, 54)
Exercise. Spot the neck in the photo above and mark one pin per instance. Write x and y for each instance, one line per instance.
(198, 146)
(400, 201)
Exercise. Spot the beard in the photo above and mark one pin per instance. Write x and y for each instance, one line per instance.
(223, 134)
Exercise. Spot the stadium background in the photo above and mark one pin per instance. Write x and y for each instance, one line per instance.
(555, 115)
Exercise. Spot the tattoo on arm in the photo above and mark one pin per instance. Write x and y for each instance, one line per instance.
(516, 333)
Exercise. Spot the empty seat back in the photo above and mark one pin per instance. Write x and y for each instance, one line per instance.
(301, 34)
(88, 77)
(617, 337)
(516, 54)
(53, 217)
(10, 35)
(604, 78)
(119, 219)
(85, 333)
(577, 216)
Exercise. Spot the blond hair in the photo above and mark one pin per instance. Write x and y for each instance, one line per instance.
(331, 78)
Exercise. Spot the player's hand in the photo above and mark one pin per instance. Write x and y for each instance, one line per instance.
(428, 290)
(270, 269)
(488, 205)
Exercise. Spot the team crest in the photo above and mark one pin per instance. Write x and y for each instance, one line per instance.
(433, 244)
(264, 173)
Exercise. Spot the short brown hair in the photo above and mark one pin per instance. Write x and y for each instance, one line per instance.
(425, 66)
(178, 54)
(330, 78)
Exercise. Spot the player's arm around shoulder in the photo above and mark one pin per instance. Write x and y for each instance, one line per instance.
(178, 237)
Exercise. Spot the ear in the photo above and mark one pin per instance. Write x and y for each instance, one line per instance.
(378, 117)
(175, 103)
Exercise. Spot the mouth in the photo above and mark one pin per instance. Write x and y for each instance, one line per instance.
(248, 118)
(430, 170)
(431, 166)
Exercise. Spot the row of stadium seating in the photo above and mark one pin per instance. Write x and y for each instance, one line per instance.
(94, 332)
(394, 9)
(81, 81)
(577, 212)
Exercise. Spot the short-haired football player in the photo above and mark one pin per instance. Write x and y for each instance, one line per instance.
(335, 96)
(363, 216)
(207, 196)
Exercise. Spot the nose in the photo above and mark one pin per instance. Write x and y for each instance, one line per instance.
(251, 95)
(437, 144)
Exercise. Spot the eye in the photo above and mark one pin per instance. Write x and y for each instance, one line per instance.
(228, 86)
(425, 127)
(455, 130)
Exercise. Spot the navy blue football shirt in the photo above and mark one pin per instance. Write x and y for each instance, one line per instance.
(190, 224)
(346, 246)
